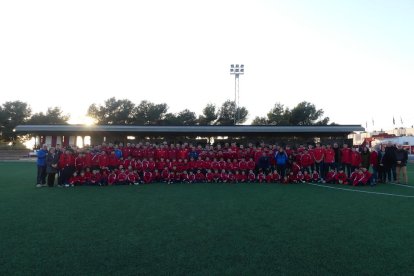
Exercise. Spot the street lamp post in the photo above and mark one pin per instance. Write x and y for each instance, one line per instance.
(236, 70)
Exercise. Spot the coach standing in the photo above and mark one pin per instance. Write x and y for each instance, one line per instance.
(41, 166)
(52, 160)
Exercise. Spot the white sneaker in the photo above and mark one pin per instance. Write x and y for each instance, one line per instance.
(39, 186)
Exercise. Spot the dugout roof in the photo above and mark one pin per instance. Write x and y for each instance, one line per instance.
(187, 130)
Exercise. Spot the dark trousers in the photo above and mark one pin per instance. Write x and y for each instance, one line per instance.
(66, 173)
(281, 169)
(51, 179)
(41, 174)
(347, 168)
(319, 169)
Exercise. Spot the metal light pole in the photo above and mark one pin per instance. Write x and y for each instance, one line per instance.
(237, 70)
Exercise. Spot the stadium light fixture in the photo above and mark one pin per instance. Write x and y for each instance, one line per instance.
(236, 70)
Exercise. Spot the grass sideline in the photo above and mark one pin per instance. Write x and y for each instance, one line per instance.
(202, 229)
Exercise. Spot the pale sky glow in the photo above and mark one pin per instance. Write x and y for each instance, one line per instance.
(354, 58)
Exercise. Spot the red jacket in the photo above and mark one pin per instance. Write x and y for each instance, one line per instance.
(355, 159)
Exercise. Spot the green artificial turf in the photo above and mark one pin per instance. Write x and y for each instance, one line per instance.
(202, 229)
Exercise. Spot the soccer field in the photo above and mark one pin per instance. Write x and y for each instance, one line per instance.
(203, 229)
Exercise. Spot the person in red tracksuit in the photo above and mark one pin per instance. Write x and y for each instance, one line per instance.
(300, 177)
(112, 178)
(95, 178)
(216, 176)
(251, 177)
(103, 160)
(237, 177)
(88, 175)
(355, 159)
(346, 159)
(329, 161)
(73, 180)
(66, 166)
(269, 177)
(147, 176)
(251, 165)
(80, 162)
(184, 177)
(261, 177)
(165, 175)
(315, 176)
(307, 177)
(292, 178)
(341, 177)
(224, 177)
(209, 176)
(243, 177)
(122, 178)
(276, 177)
(331, 176)
(133, 177)
(231, 177)
(359, 179)
(318, 157)
(243, 165)
(191, 177)
(353, 175)
(235, 165)
(200, 177)
(306, 161)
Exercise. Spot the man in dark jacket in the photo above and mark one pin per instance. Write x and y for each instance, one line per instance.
(52, 160)
(264, 163)
(390, 162)
(401, 157)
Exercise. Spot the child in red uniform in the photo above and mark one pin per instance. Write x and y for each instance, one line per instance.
(82, 178)
(331, 176)
(261, 177)
(341, 177)
(315, 177)
(112, 178)
(191, 177)
(147, 176)
(358, 180)
(292, 178)
(355, 159)
(73, 180)
(133, 178)
(269, 177)
(285, 180)
(243, 177)
(209, 176)
(122, 178)
(184, 177)
(88, 175)
(224, 177)
(307, 177)
(164, 175)
(200, 177)
(300, 177)
(231, 177)
(251, 177)
(276, 177)
(95, 178)
(353, 175)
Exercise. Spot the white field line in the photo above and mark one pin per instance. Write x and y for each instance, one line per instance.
(359, 191)
(402, 185)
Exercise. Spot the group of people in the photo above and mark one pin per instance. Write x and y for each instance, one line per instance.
(133, 164)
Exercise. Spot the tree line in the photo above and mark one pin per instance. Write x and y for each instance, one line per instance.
(124, 112)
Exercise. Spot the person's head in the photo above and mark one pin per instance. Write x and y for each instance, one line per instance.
(52, 150)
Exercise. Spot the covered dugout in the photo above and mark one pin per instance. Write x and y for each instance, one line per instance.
(96, 134)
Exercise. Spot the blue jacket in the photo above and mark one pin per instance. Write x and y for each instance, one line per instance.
(41, 157)
(281, 158)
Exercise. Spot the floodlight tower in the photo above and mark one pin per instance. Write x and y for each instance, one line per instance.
(237, 70)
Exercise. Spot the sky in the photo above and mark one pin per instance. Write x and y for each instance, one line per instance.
(354, 59)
